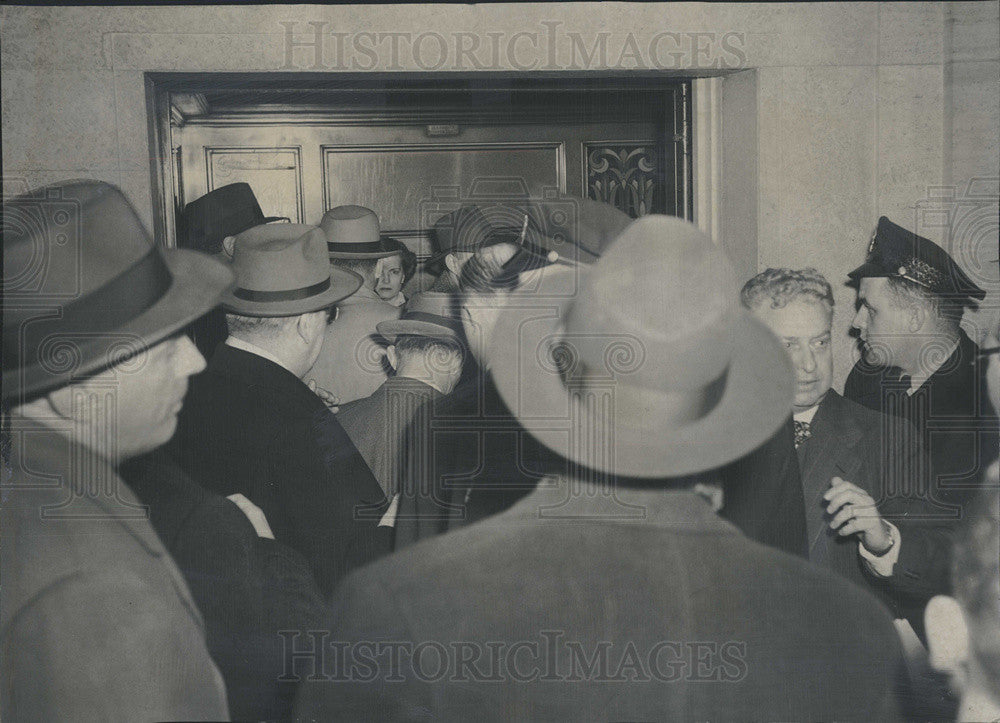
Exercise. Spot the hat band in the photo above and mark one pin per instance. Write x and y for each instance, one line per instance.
(119, 301)
(363, 247)
(431, 319)
(288, 295)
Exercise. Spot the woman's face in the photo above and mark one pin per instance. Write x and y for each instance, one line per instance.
(389, 277)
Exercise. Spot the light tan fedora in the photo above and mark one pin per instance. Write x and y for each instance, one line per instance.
(352, 232)
(651, 368)
(283, 270)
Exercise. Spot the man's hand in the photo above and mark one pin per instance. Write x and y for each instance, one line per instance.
(331, 400)
(853, 511)
(255, 514)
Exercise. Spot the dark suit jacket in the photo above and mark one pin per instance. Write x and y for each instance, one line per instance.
(252, 427)
(481, 462)
(380, 427)
(484, 461)
(881, 455)
(96, 622)
(251, 590)
(952, 413)
(554, 610)
(762, 494)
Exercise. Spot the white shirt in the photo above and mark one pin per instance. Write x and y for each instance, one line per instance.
(254, 349)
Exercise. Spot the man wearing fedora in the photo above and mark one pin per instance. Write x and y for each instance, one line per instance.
(351, 362)
(252, 427)
(96, 621)
(919, 364)
(393, 427)
(636, 601)
(209, 224)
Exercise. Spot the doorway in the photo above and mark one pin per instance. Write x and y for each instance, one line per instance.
(415, 148)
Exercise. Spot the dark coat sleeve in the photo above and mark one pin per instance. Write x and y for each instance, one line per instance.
(762, 494)
(923, 567)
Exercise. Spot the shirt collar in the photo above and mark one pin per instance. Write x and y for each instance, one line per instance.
(254, 349)
(807, 415)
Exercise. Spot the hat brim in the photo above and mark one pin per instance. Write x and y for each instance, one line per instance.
(756, 400)
(198, 284)
(867, 270)
(343, 283)
(392, 330)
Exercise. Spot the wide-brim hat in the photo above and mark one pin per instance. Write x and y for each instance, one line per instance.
(673, 387)
(431, 314)
(222, 212)
(85, 287)
(353, 232)
(283, 270)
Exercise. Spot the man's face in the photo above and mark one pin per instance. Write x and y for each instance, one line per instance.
(803, 326)
(389, 277)
(882, 321)
(149, 390)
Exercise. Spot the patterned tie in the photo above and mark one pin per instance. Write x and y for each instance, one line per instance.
(802, 432)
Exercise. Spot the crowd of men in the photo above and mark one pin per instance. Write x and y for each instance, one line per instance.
(565, 471)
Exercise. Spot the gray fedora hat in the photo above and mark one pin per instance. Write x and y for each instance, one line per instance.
(352, 232)
(431, 314)
(85, 286)
(283, 270)
(650, 367)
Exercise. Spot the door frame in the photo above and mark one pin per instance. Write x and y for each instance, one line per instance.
(161, 113)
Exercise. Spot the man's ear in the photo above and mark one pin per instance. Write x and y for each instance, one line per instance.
(917, 317)
(947, 634)
(309, 326)
(451, 261)
(392, 357)
(228, 244)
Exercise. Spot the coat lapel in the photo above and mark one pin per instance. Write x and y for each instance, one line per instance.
(829, 452)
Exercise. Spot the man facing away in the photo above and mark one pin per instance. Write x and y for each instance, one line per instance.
(614, 591)
(97, 623)
(393, 428)
(350, 364)
(859, 468)
(251, 426)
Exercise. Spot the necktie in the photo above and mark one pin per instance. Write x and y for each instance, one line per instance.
(802, 432)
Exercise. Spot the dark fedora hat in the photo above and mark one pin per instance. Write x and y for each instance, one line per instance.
(430, 314)
(283, 270)
(223, 212)
(85, 286)
(352, 232)
(649, 367)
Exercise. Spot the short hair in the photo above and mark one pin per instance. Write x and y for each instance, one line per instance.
(484, 274)
(779, 287)
(409, 260)
(258, 326)
(411, 345)
(976, 576)
(946, 308)
(365, 268)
